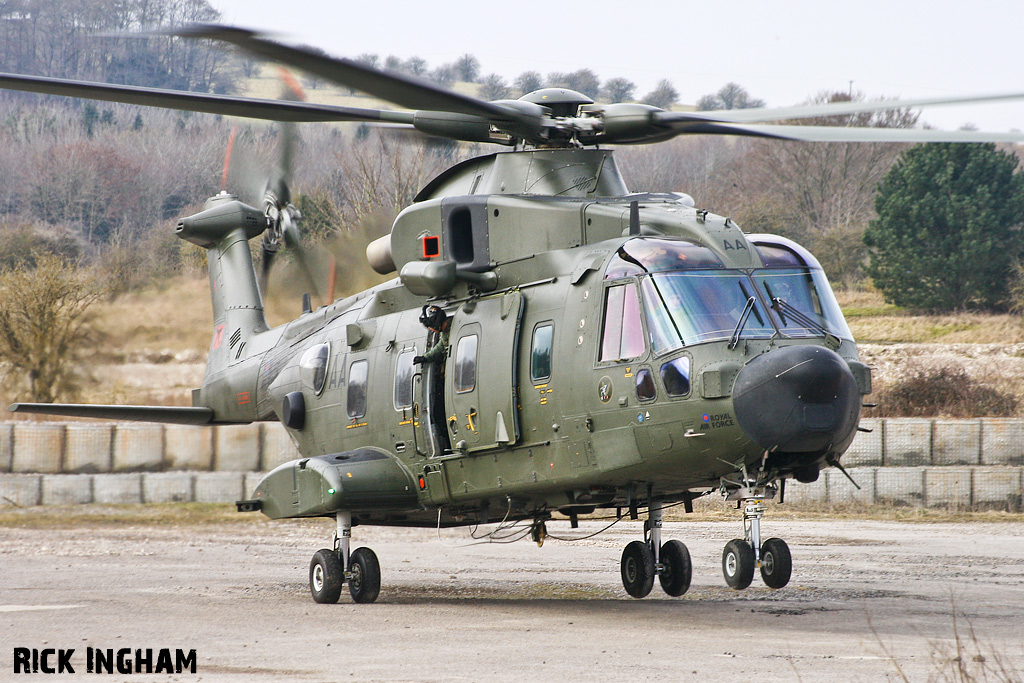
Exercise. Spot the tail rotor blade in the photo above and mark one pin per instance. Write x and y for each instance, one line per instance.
(302, 258)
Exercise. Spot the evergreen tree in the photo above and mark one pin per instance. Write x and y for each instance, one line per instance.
(948, 230)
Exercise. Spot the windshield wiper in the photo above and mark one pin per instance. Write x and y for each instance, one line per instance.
(735, 338)
(779, 305)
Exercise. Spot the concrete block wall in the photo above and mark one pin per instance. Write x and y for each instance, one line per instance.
(917, 442)
(912, 462)
(1002, 441)
(26, 490)
(96, 447)
(973, 488)
(92, 448)
(979, 487)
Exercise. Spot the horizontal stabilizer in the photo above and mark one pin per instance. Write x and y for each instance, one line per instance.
(165, 414)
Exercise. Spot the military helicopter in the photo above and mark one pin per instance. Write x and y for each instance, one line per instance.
(552, 344)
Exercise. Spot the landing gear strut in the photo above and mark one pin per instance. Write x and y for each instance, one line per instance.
(643, 560)
(329, 570)
(742, 555)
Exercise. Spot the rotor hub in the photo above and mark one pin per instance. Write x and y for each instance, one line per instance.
(561, 101)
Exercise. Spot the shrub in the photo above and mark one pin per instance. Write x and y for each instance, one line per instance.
(946, 391)
(44, 314)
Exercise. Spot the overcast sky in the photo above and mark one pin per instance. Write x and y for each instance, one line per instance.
(782, 52)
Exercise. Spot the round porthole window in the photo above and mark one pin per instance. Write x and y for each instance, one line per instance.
(313, 367)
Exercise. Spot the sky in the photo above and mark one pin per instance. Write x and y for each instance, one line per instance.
(783, 52)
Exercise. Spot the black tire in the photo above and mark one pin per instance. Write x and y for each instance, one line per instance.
(738, 564)
(637, 569)
(326, 576)
(364, 575)
(776, 563)
(675, 578)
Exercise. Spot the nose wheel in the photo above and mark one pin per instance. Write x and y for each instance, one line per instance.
(642, 561)
(329, 570)
(743, 555)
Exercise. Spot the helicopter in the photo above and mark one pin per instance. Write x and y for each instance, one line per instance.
(552, 343)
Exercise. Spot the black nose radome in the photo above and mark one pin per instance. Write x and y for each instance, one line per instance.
(798, 400)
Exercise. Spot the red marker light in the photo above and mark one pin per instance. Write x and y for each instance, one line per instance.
(423, 483)
(431, 246)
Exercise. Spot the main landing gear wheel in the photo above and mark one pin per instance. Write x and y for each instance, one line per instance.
(776, 563)
(676, 569)
(326, 576)
(329, 570)
(738, 563)
(364, 575)
(637, 569)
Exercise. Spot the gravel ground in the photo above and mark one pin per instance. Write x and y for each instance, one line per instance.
(868, 600)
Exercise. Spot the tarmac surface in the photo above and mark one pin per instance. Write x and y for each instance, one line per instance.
(868, 601)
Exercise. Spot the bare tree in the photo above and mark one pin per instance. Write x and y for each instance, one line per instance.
(44, 315)
(729, 96)
(527, 82)
(618, 90)
(493, 87)
(444, 75)
(584, 81)
(663, 95)
(468, 68)
(827, 189)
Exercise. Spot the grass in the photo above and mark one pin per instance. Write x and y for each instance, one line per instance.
(217, 514)
(873, 320)
(176, 316)
(154, 514)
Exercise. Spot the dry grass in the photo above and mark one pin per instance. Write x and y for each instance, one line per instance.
(872, 320)
(172, 319)
(209, 514)
(152, 514)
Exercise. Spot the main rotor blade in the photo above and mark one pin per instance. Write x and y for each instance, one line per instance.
(828, 109)
(226, 105)
(405, 91)
(844, 134)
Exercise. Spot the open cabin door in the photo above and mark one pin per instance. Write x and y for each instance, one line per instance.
(481, 390)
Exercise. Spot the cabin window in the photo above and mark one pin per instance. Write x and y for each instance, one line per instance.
(540, 357)
(357, 375)
(622, 335)
(645, 389)
(465, 364)
(403, 379)
(313, 367)
(675, 375)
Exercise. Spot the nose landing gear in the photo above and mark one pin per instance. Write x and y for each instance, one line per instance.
(329, 570)
(643, 560)
(742, 555)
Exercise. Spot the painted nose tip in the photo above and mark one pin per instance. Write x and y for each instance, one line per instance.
(798, 399)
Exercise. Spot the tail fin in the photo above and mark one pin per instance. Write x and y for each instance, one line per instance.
(224, 228)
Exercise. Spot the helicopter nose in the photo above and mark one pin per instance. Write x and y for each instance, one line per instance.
(799, 400)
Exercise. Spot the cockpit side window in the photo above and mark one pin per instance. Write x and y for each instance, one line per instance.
(313, 367)
(622, 334)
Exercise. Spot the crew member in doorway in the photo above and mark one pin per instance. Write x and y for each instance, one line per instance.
(434, 319)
